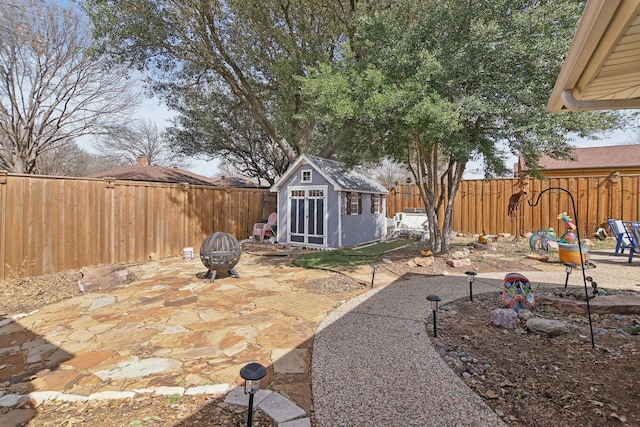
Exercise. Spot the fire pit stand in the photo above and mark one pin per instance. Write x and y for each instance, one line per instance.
(220, 252)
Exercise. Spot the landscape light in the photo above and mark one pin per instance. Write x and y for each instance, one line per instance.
(568, 268)
(434, 300)
(252, 374)
(374, 267)
(471, 275)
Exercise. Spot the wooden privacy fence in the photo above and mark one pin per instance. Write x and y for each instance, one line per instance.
(50, 224)
(481, 206)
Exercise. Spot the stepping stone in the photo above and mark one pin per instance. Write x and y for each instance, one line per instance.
(280, 409)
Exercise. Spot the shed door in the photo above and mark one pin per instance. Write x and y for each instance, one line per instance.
(306, 216)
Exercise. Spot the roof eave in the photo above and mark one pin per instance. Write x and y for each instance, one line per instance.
(598, 30)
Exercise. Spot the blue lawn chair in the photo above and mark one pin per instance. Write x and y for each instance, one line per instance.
(619, 231)
(633, 233)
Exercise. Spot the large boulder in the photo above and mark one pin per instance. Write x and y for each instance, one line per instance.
(547, 327)
(103, 278)
(504, 317)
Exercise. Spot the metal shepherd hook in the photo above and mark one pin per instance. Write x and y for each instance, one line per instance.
(584, 277)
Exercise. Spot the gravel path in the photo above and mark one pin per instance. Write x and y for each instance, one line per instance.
(373, 363)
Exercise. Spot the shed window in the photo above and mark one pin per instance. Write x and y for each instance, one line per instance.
(306, 176)
(354, 203)
(376, 206)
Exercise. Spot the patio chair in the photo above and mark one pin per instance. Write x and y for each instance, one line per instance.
(633, 232)
(619, 231)
(262, 230)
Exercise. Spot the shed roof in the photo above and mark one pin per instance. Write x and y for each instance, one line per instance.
(336, 173)
(611, 157)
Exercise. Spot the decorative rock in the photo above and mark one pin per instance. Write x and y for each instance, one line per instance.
(525, 314)
(485, 246)
(547, 327)
(102, 278)
(37, 397)
(217, 389)
(504, 317)
(423, 262)
(464, 253)
(505, 235)
(619, 304)
(10, 400)
(457, 263)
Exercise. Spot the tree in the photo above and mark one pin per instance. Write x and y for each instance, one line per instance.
(389, 172)
(51, 89)
(218, 124)
(68, 159)
(243, 53)
(130, 141)
(436, 84)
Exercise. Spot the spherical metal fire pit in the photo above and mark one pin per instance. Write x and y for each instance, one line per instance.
(220, 252)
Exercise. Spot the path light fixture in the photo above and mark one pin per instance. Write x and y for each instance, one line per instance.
(252, 374)
(434, 299)
(568, 267)
(471, 275)
(374, 267)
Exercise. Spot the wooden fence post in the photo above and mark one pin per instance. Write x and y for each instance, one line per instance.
(3, 218)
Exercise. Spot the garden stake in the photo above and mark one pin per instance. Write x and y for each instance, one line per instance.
(584, 277)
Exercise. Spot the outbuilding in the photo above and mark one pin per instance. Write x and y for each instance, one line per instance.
(322, 204)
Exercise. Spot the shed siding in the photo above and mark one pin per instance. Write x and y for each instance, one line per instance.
(364, 227)
(341, 229)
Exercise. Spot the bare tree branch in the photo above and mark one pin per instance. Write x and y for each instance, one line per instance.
(139, 138)
(51, 89)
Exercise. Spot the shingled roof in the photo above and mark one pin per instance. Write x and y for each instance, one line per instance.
(142, 171)
(610, 157)
(343, 179)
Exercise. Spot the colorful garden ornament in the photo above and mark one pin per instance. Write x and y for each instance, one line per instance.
(517, 293)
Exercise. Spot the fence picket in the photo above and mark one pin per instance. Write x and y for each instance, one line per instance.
(50, 224)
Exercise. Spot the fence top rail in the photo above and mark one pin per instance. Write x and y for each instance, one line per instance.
(126, 182)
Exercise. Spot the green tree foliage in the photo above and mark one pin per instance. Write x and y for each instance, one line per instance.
(236, 55)
(437, 84)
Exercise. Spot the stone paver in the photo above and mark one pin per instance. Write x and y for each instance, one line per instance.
(280, 409)
(170, 330)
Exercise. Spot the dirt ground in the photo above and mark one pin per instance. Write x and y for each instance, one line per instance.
(527, 379)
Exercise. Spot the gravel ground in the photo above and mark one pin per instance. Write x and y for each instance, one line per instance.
(412, 385)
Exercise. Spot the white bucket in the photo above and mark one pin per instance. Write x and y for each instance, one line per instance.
(187, 253)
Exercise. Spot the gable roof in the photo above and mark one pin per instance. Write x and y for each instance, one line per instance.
(610, 157)
(234, 181)
(602, 68)
(142, 171)
(341, 178)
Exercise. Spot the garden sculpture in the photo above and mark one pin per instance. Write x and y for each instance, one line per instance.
(517, 293)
